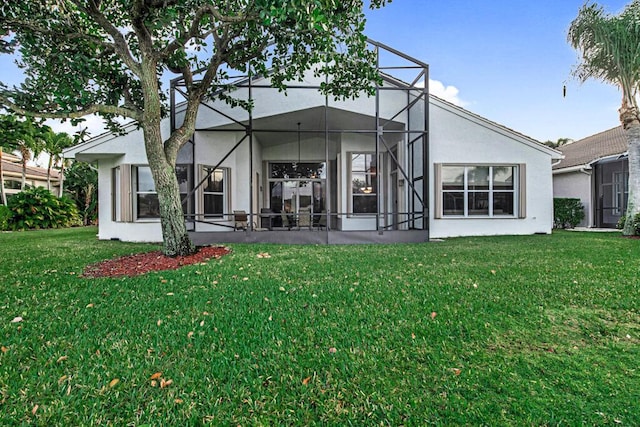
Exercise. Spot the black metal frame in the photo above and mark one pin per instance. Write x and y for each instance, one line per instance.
(418, 212)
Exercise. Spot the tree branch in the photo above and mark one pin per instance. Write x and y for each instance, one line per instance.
(194, 29)
(119, 43)
(18, 25)
(90, 109)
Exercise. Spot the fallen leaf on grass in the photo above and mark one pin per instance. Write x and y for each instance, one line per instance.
(62, 379)
(62, 359)
(113, 382)
(493, 272)
(306, 381)
(413, 336)
(16, 319)
(159, 322)
(156, 376)
(4, 349)
(190, 334)
(35, 409)
(164, 383)
(89, 305)
(332, 350)
(154, 383)
(433, 314)
(456, 371)
(178, 401)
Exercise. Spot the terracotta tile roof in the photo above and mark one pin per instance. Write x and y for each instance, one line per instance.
(594, 147)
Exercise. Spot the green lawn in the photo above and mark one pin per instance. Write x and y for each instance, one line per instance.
(536, 330)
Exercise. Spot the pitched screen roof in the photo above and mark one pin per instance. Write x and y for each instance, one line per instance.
(592, 148)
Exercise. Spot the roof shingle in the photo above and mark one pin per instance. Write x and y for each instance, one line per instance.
(594, 147)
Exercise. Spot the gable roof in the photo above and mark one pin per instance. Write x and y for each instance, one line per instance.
(593, 148)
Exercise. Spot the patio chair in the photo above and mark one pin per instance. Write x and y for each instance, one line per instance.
(287, 219)
(239, 220)
(322, 221)
(304, 217)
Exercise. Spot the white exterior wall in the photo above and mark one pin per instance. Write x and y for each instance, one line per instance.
(463, 139)
(456, 137)
(132, 145)
(576, 185)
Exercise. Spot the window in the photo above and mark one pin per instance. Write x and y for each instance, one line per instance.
(214, 191)
(364, 183)
(146, 198)
(185, 183)
(478, 190)
(620, 192)
(116, 197)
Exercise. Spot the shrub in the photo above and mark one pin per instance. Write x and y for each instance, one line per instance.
(37, 208)
(5, 215)
(636, 223)
(567, 212)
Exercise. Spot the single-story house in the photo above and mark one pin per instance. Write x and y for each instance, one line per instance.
(399, 166)
(34, 176)
(596, 171)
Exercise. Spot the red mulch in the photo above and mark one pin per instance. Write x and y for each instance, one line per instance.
(134, 265)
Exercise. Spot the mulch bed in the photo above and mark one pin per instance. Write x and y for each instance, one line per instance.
(134, 265)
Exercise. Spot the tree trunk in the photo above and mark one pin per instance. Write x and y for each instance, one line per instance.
(49, 172)
(61, 179)
(2, 193)
(174, 231)
(23, 183)
(632, 132)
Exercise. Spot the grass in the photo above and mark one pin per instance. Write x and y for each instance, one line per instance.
(533, 330)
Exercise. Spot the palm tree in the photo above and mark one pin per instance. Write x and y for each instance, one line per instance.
(54, 144)
(609, 47)
(558, 143)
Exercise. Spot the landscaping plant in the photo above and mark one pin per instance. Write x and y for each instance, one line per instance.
(5, 215)
(37, 208)
(567, 212)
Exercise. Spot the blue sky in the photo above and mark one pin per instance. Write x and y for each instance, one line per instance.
(506, 60)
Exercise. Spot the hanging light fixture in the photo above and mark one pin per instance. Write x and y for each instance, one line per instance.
(295, 164)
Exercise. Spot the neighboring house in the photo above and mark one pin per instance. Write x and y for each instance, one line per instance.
(596, 171)
(35, 176)
(395, 167)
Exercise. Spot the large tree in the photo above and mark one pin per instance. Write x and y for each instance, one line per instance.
(609, 47)
(108, 57)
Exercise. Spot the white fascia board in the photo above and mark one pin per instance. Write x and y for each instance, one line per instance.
(578, 168)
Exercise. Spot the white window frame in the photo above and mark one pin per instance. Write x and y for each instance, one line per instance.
(225, 193)
(373, 177)
(136, 193)
(620, 193)
(518, 191)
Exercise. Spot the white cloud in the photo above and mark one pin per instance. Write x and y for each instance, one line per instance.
(448, 93)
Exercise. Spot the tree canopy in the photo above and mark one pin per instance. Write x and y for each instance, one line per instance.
(109, 57)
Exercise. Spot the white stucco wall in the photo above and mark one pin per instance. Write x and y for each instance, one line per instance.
(465, 139)
(576, 185)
